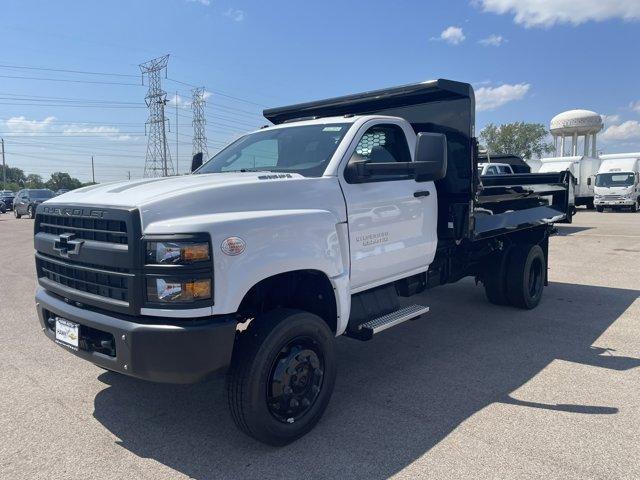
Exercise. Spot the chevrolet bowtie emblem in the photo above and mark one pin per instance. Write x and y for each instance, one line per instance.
(67, 245)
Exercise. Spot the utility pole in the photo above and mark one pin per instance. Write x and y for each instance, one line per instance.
(199, 122)
(4, 168)
(177, 157)
(93, 171)
(158, 160)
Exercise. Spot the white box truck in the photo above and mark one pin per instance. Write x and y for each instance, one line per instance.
(617, 183)
(295, 234)
(584, 170)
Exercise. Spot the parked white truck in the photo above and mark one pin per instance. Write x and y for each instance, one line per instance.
(584, 170)
(293, 235)
(617, 184)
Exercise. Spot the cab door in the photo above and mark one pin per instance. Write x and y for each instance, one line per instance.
(391, 218)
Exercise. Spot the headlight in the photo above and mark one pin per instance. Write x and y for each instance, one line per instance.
(164, 290)
(176, 253)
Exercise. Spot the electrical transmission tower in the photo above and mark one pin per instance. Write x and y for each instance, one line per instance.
(158, 160)
(199, 134)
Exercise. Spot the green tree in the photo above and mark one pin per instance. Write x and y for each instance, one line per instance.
(528, 140)
(60, 180)
(33, 180)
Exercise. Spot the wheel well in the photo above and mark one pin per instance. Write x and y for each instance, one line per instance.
(308, 290)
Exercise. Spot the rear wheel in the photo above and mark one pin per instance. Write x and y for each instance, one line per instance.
(526, 274)
(281, 376)
(15, 213)
(494, 279)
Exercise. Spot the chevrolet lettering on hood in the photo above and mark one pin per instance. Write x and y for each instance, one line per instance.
(73, 212)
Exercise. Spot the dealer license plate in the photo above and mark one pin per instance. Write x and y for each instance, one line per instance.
(67, 332)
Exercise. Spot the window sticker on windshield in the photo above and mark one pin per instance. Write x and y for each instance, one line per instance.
(331, 129)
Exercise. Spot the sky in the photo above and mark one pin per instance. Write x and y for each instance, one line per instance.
(70, 82)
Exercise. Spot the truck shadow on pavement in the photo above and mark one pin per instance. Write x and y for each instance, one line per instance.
(396, 397)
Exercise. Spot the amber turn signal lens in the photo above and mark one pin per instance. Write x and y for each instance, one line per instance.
(198, 289)
(197, 252)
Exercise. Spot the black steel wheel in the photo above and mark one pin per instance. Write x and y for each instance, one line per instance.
(295, 380)
(281, 376)
(526, 274)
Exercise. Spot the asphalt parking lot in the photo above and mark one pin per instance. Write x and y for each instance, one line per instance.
(471, 390)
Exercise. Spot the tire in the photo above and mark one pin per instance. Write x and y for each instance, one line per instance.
(494, 279)
(600, 209)
(15, 213)
(30, 212)
(526, 274)
(635, 206)
(260, 405)
(590, 204)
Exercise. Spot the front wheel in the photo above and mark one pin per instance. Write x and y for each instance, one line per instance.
(636, 206)
(599, 209)
(281, 376)
(30, 212)
(15, 213)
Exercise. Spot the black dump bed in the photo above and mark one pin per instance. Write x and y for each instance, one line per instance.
(465, 202)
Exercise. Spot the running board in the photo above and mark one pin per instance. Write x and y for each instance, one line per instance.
(377, 325)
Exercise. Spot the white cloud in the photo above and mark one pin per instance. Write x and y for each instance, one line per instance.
(629, 130)
(546, 13)
(111, 133)
(610, 119)
(492, 41)
(635, 106)
(206, 94)
(452, 35)
(490, 98)
(235, 14)
(20, 124)
(201, 2)
(180, 100)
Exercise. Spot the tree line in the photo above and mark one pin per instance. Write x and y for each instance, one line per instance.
(17, 179)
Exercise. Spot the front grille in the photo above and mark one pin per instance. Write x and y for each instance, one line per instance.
(85, 278)
(98, 229)
(612, 197)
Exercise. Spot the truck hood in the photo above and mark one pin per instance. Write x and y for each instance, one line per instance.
(160, 199)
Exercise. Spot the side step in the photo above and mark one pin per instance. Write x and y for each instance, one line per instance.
(377, 325)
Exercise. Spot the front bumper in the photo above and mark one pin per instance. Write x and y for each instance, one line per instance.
(185, 351)
(621, 202)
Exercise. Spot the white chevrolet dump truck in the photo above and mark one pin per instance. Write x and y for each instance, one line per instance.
(314, 227)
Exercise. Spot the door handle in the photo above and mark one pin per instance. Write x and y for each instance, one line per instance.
(421, 193)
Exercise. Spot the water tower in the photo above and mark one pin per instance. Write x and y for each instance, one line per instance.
(576, 124)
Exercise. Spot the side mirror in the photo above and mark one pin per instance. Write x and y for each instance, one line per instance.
(196, 162)
(431, 156)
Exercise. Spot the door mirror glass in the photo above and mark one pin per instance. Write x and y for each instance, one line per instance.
(431, 156)
(196, 162)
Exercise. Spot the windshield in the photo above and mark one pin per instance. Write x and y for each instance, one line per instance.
(305, 150)
(614, 179)
(41, 194)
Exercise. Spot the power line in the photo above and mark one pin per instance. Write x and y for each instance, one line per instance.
(62, 70)
(69, 80)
